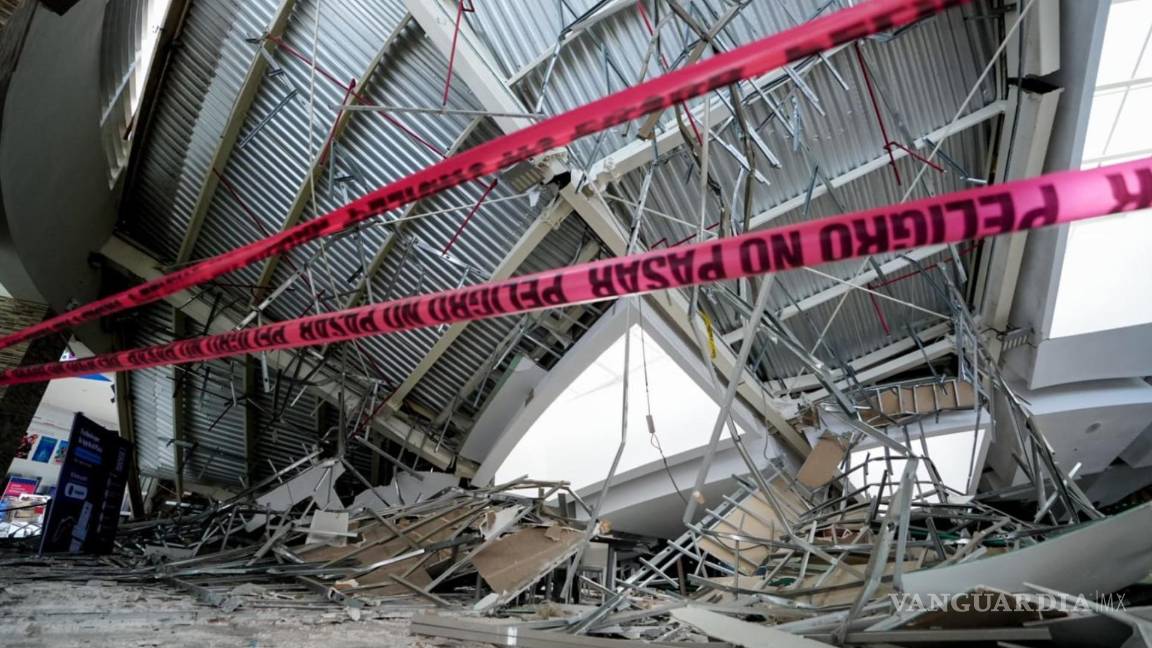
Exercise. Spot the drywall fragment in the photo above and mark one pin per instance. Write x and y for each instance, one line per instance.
(821, 464)
(328, 527)
(317, 482)
(1102, 556)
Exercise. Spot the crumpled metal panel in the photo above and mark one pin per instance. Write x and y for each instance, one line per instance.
(286, 427)
(214, 423)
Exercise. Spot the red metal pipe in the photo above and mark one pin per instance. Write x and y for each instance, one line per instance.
(876, 109)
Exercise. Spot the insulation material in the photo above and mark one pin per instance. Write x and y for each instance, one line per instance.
(756, 518)
(821, 464)
(895, 403)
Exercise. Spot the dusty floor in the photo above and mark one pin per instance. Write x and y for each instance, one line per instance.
(98, 613)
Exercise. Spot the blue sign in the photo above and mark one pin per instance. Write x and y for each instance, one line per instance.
(85, 513)
(44, 449)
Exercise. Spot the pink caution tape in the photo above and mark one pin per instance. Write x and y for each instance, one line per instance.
(673, 88)
(976, 213)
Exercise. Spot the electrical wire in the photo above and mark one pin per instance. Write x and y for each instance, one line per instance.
(653, 438)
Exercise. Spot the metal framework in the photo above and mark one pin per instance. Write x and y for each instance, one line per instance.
(730, 145)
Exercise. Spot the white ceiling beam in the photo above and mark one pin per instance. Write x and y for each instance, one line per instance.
(549, 220)
(1023, 150)
(472, 64)
(437, 18)
(303, 196)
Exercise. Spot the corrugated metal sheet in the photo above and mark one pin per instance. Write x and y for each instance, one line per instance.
(120, 54)
(286, 428)
(7, 8)
(214, 423)
(442, 385)
(203, 79)
(152, 391)
(921, 76)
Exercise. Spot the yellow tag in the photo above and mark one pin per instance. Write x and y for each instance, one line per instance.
(711, 336)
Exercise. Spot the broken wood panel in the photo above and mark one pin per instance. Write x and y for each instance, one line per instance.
(755, 517)
(515, 561)
(820, 466)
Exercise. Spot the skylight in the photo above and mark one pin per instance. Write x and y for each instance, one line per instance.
(576, 437)
(1107, 268)
(955, 456)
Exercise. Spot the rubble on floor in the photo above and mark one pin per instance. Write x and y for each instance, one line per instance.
(101, 613)
(779, 562)
(863, 544)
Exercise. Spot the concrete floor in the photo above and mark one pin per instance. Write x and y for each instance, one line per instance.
(99, 613)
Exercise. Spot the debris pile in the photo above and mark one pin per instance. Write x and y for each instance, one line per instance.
(864, 543)
(781, 561)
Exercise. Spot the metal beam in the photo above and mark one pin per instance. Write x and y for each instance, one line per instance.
(304, 193)
(975, 118)
(251, 414)
(591, 207)
(904, 346)
(128, 433)
(864, 278)
(1023, 150)
(361, 291)
(639, 153)
(231, 133)
(472, 63)
(571, 33)
(893, 266)
(139, 264)
(179, 331)
(895, 366)
(549, 220)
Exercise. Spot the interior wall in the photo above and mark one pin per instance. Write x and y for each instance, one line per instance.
(58, 204)
(53, 421)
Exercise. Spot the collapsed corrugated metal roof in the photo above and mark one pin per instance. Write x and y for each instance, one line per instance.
(289, 71)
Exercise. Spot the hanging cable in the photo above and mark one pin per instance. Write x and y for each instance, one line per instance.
(653, 438)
